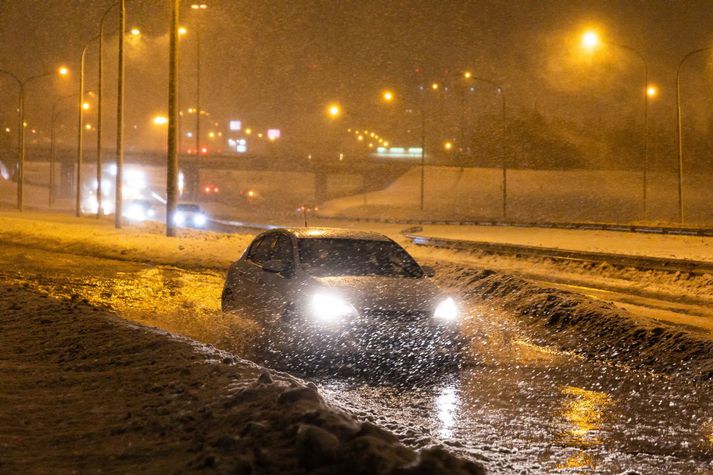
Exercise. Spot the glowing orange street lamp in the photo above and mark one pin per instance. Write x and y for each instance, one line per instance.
(334, 110)
(590, 41)
(22, 124)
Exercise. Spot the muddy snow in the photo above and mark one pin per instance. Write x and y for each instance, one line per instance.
(84, 391)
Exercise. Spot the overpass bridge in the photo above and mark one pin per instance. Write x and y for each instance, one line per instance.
(375, 172)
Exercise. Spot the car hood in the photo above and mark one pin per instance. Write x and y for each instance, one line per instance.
(385, 293)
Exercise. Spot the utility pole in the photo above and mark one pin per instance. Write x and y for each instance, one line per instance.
(120, 117)
(172, 155)
(80, 131)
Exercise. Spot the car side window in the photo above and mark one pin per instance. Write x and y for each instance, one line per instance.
(253, 249)
(263, 250)
(283, 250)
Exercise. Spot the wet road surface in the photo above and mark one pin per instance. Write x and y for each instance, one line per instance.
(518, 406)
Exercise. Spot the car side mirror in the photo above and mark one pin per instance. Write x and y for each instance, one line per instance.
(276, 266)
(429, 271)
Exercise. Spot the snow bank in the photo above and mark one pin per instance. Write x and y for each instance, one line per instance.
(533, 195)
(142, 243)
(589, 327)
(93, 393)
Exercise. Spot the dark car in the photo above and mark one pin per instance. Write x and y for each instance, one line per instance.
(333, 289)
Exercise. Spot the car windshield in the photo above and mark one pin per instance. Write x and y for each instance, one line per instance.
(188, 208)
(325, 257)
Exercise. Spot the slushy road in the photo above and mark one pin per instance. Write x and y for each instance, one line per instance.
(516, 406)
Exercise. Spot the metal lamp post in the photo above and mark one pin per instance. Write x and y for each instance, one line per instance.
(172, 155)
(120, 117)
(679, 129)
(389, 96)
(503, 154)
(100, 107)
(22, 85)
(55, 113)
(591, 40)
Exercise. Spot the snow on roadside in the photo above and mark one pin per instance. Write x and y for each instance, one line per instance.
(144, 242)
(90, 392)
(588, 327)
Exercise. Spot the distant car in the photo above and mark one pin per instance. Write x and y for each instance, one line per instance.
(322, 289)
(190, 215)
(138, 210)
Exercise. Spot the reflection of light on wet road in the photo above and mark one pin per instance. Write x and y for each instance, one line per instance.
(446, 407)
(585, 412)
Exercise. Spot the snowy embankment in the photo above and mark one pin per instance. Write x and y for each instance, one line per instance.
(86, 392)
(533, 195)
(137, 243)
(588, 327)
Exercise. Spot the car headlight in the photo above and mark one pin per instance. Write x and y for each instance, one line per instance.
(446, 310)
(179, 219)
(136, 213)
(199, 220)
(329, 308)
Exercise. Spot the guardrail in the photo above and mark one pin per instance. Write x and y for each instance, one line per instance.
(618, 260)
(631, 228)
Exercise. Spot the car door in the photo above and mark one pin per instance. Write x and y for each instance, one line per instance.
(280, 287)
(250, 292)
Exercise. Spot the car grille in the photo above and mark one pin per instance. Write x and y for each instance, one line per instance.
(380, 315)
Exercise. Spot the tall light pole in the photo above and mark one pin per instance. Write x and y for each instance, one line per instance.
(120, 117)
(591, 41)
(504, 165)
(198, 7)
(80, 134)
(172, 155)
(390, 96)
(53, 136)
(100, 107)
(679, 129)
(22, 85)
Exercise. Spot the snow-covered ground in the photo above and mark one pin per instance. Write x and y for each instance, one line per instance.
(450, 193)
(207, 250)
(613, 242)
(86, 392)
(533, 195)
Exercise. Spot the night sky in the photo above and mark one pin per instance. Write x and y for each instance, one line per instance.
(278, 63)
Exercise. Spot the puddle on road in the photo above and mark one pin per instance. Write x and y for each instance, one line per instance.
(182, 302)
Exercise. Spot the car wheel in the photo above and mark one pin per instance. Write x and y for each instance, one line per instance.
(226, 300)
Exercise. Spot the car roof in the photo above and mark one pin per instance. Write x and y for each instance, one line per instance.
(333, 233)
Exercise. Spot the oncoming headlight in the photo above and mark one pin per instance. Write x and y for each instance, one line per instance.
(329, 308)
(199, 219)
(178, 218)
(446, 310)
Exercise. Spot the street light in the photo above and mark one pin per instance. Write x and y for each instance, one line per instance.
(679, 129)
(172, 153)
(198, 7)
(120, 80)
(22, 85)
(504, 165)
(591, 41)
(100, 104)
(53, 121)
(334, 110)
(389, 97)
